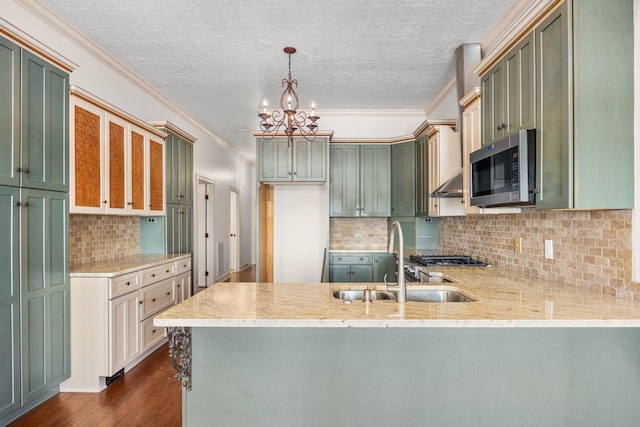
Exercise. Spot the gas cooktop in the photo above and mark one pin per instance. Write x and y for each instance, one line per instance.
(447, 261)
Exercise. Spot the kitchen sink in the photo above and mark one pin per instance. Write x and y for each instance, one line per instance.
(358, 295)
(422, 294)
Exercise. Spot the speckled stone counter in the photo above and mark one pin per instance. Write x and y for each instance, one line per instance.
(504, 299)
(118, 266)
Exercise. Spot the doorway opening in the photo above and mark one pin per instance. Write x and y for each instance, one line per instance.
(205, 249)
(234, 221)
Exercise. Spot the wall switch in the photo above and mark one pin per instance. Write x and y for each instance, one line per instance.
(517, 245)
(548, 249)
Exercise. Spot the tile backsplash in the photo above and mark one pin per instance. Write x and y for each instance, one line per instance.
(591, 249)
(358, 234)
(97, 237)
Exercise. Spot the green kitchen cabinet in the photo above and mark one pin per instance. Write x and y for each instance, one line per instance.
(585, 126)
(508, 93)
(351, 267)
(179, 189)
(179, 169)
(10, 366)
(34, 300)
(34, 121)
(44, 270)
(360, 180)
(384, 267)
(179, 224)
(301, 161)
(422, 175)
(403, 188)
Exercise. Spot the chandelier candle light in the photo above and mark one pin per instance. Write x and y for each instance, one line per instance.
(289, 119)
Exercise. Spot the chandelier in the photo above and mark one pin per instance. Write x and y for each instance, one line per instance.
(289, 119)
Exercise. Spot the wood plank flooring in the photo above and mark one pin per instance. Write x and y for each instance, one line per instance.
(147, 395)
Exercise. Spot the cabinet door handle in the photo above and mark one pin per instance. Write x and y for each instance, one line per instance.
(22, 170)
(22, 205)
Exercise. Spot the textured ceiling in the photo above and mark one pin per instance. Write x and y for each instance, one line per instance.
(217, 59)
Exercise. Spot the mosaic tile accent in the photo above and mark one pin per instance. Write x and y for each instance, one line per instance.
(358, 234)
(100, 237)
(592, 249)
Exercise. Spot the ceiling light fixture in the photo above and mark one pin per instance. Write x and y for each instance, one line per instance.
(289, 119)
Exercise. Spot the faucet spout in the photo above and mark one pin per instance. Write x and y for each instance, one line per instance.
(400, 285)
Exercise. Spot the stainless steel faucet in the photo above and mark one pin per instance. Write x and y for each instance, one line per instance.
(400, 285)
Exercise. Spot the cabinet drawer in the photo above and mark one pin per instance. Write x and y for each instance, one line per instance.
(155, 274)
(150, 334)
(156, 297)
(183, 265)
(124, 284)
(355, 258)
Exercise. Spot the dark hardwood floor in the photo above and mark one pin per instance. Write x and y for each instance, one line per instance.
(147, 395)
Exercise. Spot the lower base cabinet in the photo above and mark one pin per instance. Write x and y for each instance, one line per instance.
(361, 267)
(112, 318)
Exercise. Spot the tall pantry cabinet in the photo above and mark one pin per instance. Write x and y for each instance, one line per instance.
(34, 221)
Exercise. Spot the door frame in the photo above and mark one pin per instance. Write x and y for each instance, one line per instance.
(234, 229)
(204, 247)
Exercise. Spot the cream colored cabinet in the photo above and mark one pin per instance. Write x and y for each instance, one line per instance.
(114, 330)
(124, 319)
(444, 152)
(117, 161)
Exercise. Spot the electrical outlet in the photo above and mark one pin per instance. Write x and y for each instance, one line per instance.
(517, 245)
(548, 249)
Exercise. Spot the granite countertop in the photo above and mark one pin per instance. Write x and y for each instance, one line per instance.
(118, 266)
(504, 299)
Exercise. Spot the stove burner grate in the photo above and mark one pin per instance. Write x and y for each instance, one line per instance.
(447, 261)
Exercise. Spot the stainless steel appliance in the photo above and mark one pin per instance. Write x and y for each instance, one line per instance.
(503, 173)
(412, 264)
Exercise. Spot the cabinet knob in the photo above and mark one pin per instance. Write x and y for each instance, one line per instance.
(22, 205)
(129, 203)
(153, 275)
(140, 303)
(128, 283)
(153, 332)
(105, 202)
(22, 170)
(168, 293)
(168, 271)
(179, 285)
(153, 300)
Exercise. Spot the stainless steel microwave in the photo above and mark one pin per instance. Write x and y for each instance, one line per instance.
(503, 173)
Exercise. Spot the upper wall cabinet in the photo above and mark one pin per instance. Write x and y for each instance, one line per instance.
(508, 93)
(403, 188)
(360, 181)
(34, 130)
(445, 158)
(117, 161)
(302, 161)
(422, 175)
(584, 65)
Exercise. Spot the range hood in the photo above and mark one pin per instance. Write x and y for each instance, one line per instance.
(451, 187)
(467, 57)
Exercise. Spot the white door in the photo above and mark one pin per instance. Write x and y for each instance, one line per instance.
(205, 253)
(234, 249)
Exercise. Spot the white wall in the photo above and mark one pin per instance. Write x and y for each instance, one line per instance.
(96, 74)
(301, 232)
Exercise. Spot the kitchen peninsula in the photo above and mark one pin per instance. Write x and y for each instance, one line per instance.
(527, 352)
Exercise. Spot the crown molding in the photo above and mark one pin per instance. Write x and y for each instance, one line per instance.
(258, 134)
(29, 42)
(87, 96)
(444, 92)
(175, 130)
(409, 112)
(471, 95)
(517, 22)
(369, 141)
(61, 26)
